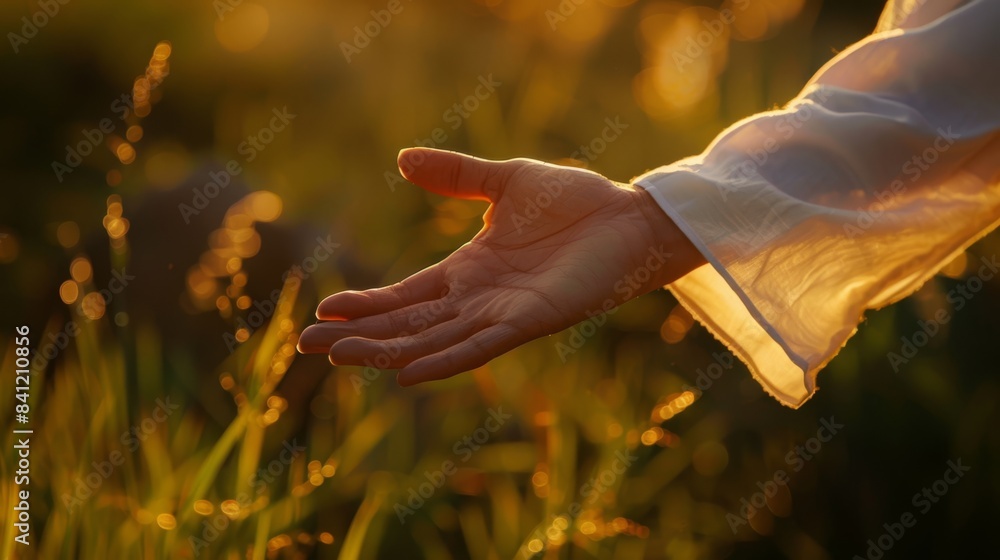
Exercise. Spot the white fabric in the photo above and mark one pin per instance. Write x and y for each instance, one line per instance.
(881, 171)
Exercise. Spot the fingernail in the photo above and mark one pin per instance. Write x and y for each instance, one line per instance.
(308, 336)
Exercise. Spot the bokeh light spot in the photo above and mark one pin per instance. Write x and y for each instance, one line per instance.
(80, 269)
(204, 507)
(263, 206)
(69, 291)
(134, 133)
(93, 306)
(710, 458)
(166, 521)
(231, 508)
(125, 153)
(243, 28)
(67, 234)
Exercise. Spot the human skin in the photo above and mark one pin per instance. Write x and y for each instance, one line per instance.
(555, 244)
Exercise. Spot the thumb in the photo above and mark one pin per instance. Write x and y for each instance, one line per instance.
(455, 174)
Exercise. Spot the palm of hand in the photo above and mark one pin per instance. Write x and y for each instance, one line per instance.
(558, 244)
(553, 248)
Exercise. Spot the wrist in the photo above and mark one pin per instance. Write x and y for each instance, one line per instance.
(660, 229)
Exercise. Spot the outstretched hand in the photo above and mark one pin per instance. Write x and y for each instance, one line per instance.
(558, 243)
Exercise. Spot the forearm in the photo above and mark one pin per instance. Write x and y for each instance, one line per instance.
(850, 198)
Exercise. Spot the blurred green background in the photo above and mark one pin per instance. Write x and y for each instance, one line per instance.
(202, 83)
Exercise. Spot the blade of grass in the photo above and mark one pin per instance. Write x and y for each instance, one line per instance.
(205, 477)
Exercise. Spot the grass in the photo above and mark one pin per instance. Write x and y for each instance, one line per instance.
(547, 484)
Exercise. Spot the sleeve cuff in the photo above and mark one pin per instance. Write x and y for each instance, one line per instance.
(718, 301)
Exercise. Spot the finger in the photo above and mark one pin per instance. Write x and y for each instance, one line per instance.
(393, 324)
(398, 352)
(456, 175)
(423, 286)
(479, 349)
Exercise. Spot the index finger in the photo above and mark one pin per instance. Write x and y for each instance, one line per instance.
(426, 285)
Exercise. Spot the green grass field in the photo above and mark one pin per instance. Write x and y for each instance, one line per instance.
(169, 423)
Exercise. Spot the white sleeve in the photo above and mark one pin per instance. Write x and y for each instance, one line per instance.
(883, 169)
